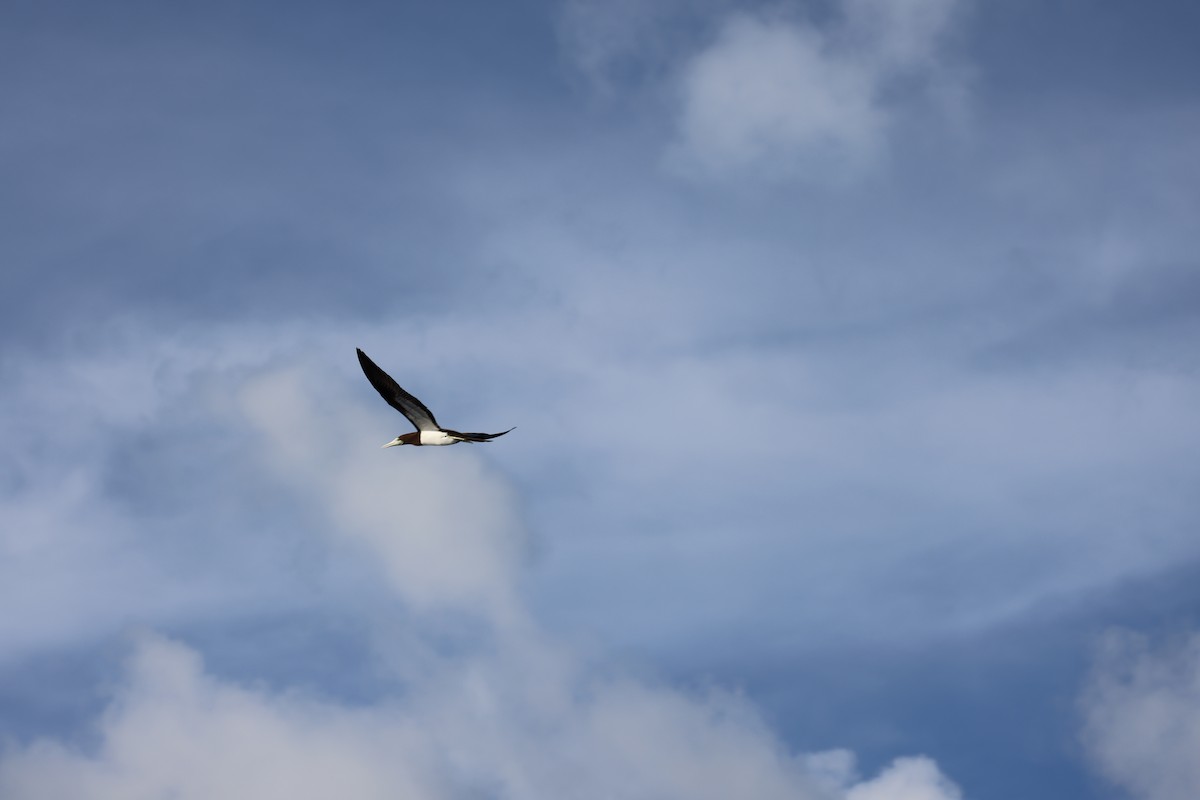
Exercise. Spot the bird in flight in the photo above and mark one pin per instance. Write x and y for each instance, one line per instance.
(428, 431)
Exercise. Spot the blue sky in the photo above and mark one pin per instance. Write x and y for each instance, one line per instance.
(850, 345)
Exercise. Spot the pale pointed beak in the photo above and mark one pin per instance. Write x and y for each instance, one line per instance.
(393, 443)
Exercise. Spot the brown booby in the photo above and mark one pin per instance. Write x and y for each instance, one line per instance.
(428, 431)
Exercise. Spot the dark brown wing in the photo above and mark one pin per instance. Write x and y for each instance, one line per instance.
(420, 416)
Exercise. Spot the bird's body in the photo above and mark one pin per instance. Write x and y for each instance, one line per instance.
(428, 432)
(436, 438)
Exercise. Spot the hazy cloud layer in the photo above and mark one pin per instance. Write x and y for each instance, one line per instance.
(1142, 715)
(515, 715)
(871, 445)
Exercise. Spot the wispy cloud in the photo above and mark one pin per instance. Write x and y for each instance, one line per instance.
(764, 91)
(1141, 713)
(776, 97)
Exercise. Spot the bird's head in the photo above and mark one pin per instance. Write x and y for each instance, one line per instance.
(407, 438)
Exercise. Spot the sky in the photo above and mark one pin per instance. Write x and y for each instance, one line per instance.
(851, 350)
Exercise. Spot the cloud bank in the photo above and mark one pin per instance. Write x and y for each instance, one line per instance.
(498, 726)
(508, 712)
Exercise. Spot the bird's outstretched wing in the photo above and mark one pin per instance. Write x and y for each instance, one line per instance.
(420, 416)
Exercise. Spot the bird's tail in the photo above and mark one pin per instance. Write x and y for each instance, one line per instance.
(478, 437)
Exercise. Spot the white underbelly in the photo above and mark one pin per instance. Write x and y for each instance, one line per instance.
(437, 438)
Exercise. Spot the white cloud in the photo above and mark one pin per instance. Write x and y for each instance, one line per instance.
(509, 713)
(172, 731)
(524, 723)
(766, 93)
(777, 97)
(444, 528)
(1141, 715)
(907, 779)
